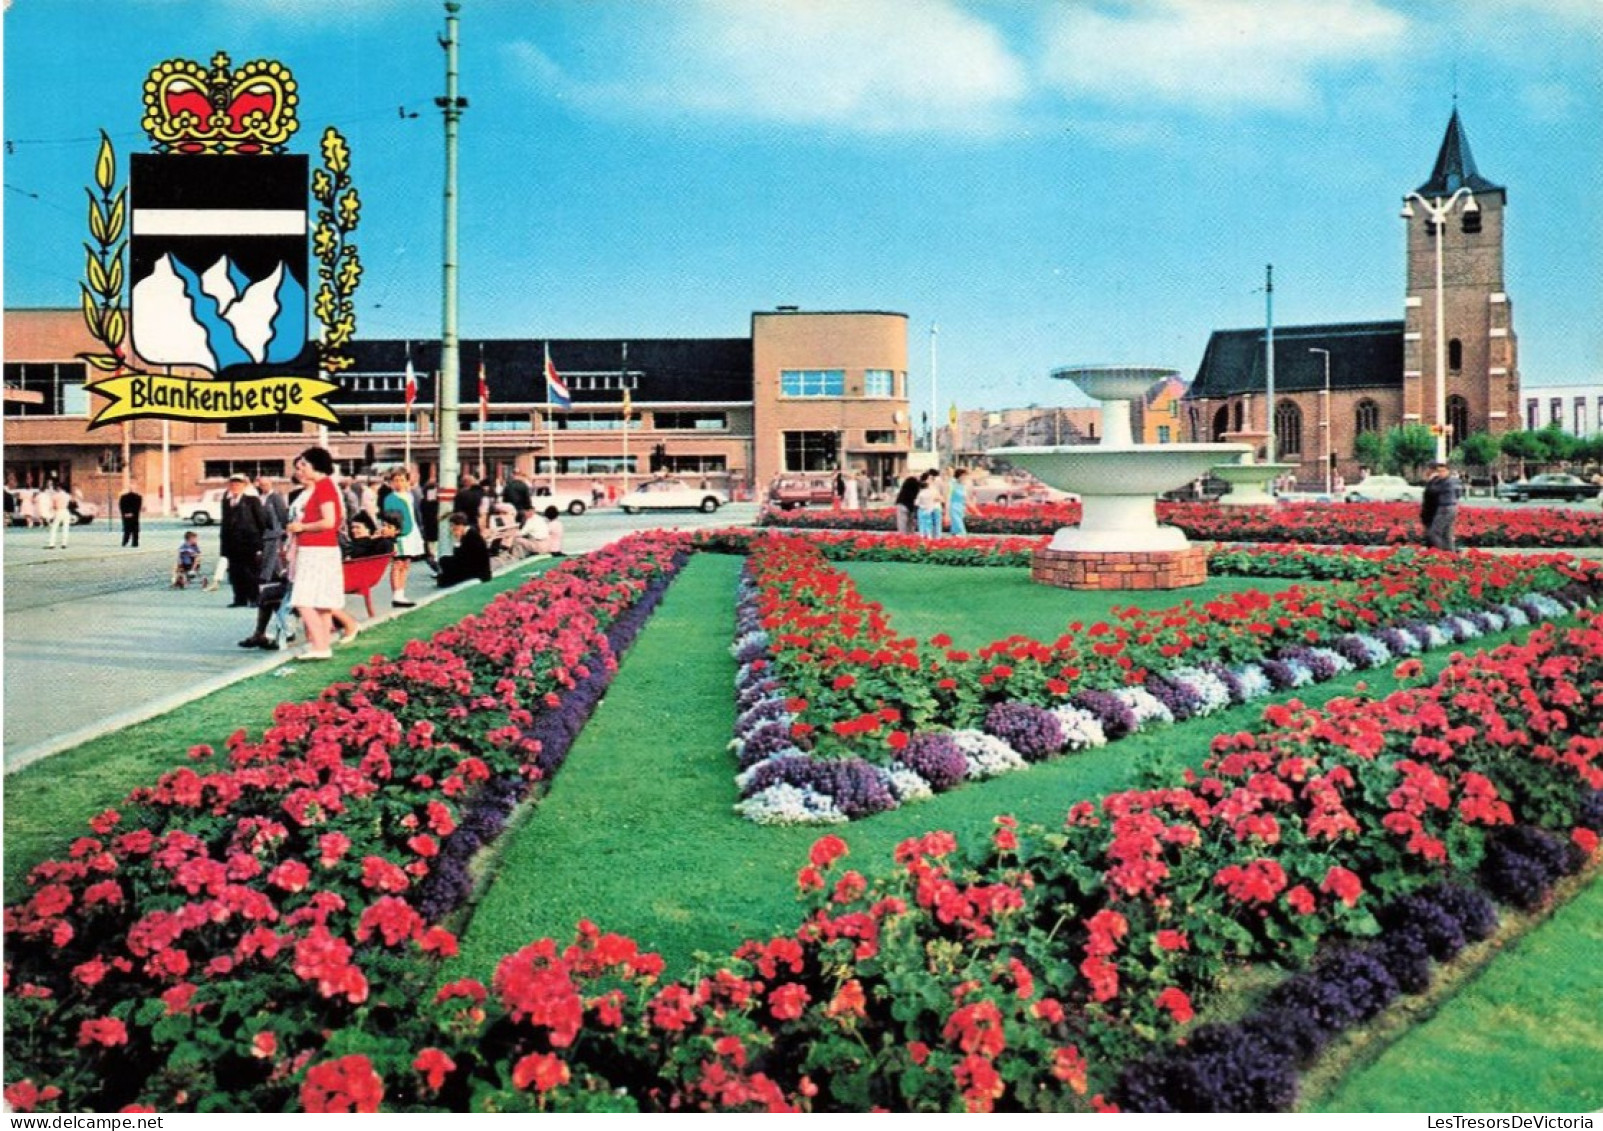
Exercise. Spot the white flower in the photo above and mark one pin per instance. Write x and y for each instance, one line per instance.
(1254, 683)
(785, 804)
(1375, 650)
(1081, 729)
(1147, 706)
(1334, 658)
(907, 785)
(1211, 691)
(987, 755)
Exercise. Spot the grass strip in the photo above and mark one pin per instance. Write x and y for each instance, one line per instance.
(978, 606)
(638, 834)
(48, 803)
(1523, 1033)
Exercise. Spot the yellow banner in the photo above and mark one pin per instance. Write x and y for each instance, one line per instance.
(132, 396)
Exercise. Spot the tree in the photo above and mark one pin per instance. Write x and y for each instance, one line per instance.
(1526, 447)
(1411, 446)
(1561, 446)
(1370, 448)
(1480, 449)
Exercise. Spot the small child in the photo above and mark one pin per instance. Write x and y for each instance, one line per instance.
(553, 540)
(188, 560)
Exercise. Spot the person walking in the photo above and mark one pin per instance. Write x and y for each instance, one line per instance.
(129, 505)
(928, 505)
(850, 494)
(907, 505)
(519, 493)
(400, 512)
(1438, 509)
(240, 535)
(59, 517)
(274, 505)
(318, 585)
(839, 490)
(957, 502)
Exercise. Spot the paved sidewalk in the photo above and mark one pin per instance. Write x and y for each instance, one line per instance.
(95, 640)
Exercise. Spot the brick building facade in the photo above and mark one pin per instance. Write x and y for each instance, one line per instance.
(1384, 374)
(806, 391)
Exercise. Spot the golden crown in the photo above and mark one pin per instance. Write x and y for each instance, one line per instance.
(190, 109)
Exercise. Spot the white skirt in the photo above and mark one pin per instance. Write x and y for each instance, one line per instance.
(319, 578)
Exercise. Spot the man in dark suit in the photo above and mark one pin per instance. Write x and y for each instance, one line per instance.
(129, 504)
(243, 525)
(907, 505)
(519, 494)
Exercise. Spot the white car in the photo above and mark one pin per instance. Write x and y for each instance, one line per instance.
(568, 502)
(672, 495)
(206, 510)
(1384, 489)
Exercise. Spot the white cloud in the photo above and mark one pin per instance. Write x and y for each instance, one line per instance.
(868, 66)
(1217, 55)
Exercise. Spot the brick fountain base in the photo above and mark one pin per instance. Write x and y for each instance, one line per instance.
(1101, 569)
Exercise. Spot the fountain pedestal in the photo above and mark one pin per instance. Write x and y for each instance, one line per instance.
(1119, 544)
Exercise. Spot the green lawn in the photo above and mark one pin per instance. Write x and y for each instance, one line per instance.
(1525, 1035)
(637, 832)
(48, 803)
(978, 606)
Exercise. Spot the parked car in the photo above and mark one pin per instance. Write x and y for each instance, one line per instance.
(206, 510)
(1004, 492)
(672, 494)
(1384, 489)
(569, 502)
(1555, 485)
(1212, 488)
(791, 491)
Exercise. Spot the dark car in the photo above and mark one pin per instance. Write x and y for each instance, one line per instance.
(1212, 488)
(789, 492)
(1556, 485)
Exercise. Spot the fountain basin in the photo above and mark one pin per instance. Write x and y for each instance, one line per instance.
(1118, 489)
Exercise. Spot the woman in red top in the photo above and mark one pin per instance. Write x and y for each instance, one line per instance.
(319, 579)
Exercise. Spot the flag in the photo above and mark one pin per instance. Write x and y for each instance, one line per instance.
(484, 393)
(952, 416)
(628, 405)
(411, 383)
(555, 390)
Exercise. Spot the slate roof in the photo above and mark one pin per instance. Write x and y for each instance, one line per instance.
(665, 370)
(1455, 165)
(1362, 355)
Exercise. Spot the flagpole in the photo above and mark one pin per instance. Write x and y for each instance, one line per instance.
(550, 420)
(408, 393)
(484, 413)
(625, 379)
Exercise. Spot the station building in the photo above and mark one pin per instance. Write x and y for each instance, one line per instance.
(804, 391)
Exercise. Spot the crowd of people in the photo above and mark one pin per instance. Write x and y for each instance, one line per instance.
(289, 552)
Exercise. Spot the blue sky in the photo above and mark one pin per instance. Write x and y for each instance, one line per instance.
(1050, 183)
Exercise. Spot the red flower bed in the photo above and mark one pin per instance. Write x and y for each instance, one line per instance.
(255, 942)
(1331, 524)
(239, 909)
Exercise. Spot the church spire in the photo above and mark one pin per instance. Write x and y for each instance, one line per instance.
(1455, 165)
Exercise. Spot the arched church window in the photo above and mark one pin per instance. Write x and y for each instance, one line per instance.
(1221, 423)
(1366, 416)
(1288, 429)
(1455, 355)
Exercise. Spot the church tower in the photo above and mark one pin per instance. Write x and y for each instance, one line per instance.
(1455, 284)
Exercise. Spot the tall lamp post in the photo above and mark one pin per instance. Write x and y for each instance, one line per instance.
(1438, 212)
(1324, 417)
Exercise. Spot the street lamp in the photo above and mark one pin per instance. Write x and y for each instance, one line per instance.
(1324, 421)
(1438, 212)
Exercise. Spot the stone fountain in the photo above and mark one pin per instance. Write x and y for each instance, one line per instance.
(1249, 480)
(1119, 544)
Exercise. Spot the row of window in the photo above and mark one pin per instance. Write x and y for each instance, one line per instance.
(1555, 414)
(1366, 418)
(832, 382)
